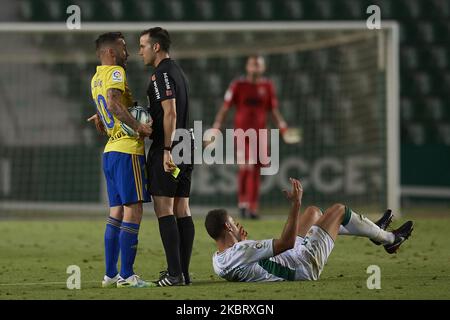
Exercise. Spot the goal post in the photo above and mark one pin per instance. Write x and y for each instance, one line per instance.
(338, 81)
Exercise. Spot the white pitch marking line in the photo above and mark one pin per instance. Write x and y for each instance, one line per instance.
(40, 283)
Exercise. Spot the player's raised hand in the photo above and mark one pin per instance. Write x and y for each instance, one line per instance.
(291, 135)
(98, 123)
(296, 193)
(242, 233)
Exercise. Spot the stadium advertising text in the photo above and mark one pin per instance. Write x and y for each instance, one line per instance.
(235, 139)
(351, 176)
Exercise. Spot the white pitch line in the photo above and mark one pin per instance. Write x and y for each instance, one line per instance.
(42, 283)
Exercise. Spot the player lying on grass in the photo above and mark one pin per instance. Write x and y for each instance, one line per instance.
(304, 246)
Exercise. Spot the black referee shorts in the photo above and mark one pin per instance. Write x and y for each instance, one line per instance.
(163, 184)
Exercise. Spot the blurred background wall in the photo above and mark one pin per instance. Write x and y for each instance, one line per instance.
(424, 94)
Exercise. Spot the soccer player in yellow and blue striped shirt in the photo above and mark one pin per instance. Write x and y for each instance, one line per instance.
(123, 160)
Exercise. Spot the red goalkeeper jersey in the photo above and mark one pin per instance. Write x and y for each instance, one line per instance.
(252, 100)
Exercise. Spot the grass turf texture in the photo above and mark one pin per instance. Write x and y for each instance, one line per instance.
(34, 256)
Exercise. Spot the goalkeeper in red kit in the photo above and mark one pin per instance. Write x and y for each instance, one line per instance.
(254, 97)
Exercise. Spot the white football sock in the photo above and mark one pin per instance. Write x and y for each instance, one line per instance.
(358, 225)
(343, 231)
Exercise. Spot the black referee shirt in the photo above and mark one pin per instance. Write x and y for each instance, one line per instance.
(167, 82)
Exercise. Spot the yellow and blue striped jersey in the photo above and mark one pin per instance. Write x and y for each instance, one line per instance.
(114, 77)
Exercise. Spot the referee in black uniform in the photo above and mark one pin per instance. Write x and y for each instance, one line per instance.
(168, 106)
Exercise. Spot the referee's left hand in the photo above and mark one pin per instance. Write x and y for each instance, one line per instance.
(168, 163)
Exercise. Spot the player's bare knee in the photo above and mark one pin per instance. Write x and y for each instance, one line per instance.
(163, 206)
(164, 211)
(316, 210)
(116, 212)
(338, 207)
(332, 208)
(181, 207)
(313, 212)
(133, 213)
(337, 210)
(182, 213)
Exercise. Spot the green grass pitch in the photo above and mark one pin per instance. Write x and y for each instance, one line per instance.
(34, 256)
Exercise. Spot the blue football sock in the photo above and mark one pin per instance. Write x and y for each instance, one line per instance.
(128, 246)
(112, 247)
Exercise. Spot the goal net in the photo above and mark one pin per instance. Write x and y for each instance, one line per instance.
(337, 82)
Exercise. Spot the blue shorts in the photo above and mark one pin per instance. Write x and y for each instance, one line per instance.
(126, 178)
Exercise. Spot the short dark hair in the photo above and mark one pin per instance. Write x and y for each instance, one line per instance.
(215, 221)
(159, 35)
(108, 38)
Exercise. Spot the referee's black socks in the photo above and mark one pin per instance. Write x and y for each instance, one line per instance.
(187, 232)
(171, 242)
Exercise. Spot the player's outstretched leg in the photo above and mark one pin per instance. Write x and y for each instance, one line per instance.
(358, 225)
(384, 222)
(312, 214)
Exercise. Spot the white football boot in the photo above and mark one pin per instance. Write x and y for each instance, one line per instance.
(109, 282)
(133, 282)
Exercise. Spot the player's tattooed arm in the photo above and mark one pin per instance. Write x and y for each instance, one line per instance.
(115, 106)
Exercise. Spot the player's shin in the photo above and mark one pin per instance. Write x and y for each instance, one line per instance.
(112, 247)
(171, 241)
(186, 231)
(128, 247)
(358, 225)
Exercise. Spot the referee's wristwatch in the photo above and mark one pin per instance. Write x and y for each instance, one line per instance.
(167, 148)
